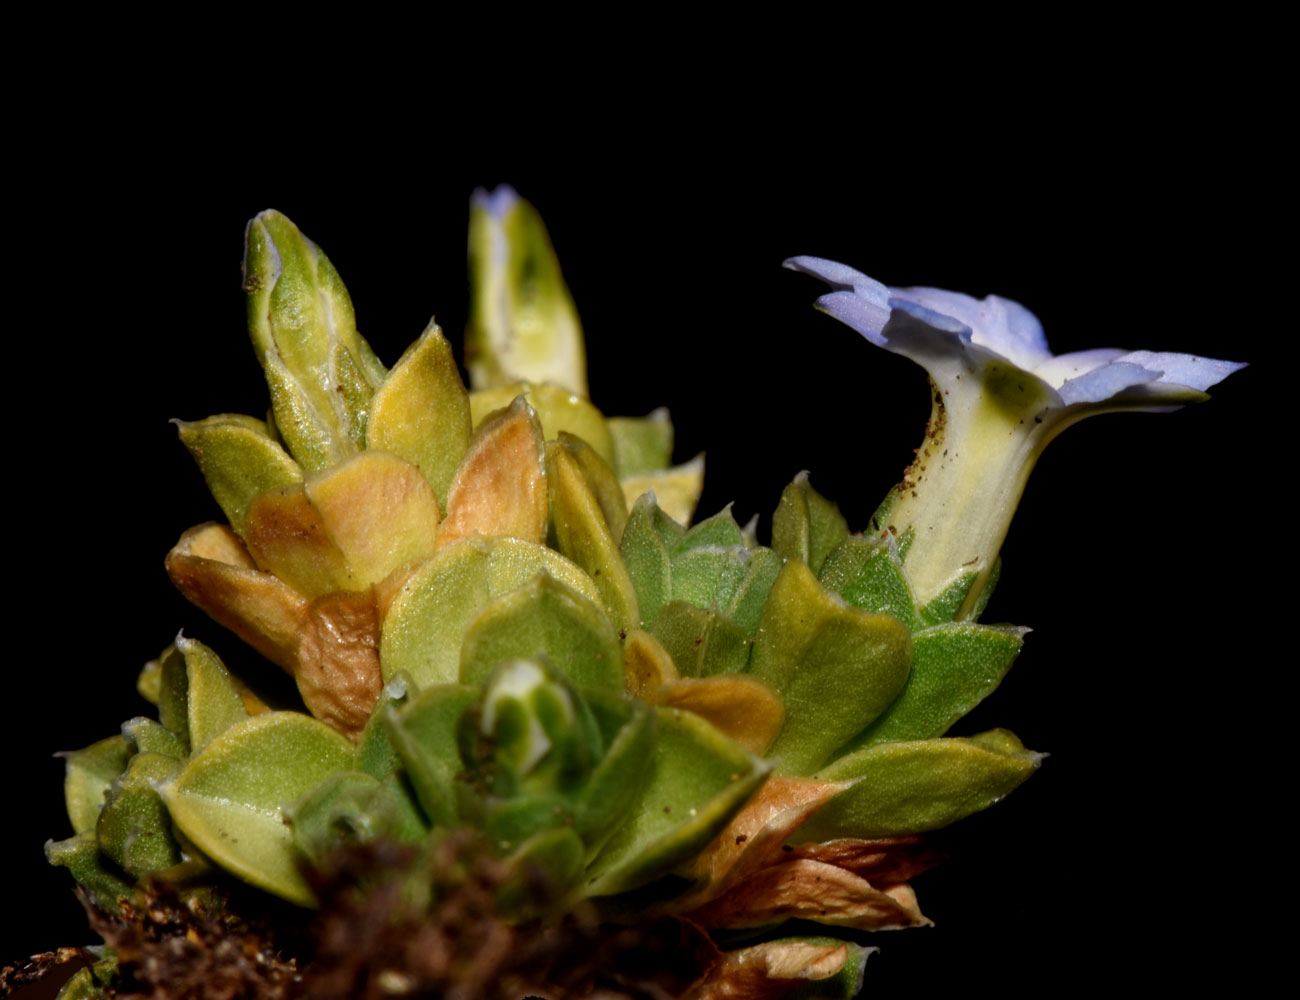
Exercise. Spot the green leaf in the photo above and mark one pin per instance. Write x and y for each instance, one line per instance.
(523, 323)
(544, 617)
(198, 698)
(558, 411)
(947, 604)
(600, 479)
(645, 554)
(239, 459)
(919, 785)
(375, 753)
(134, 829)
(720, 529)
(698, 780)
(708, 576)
(352, 808)
(835, 667)
(148, 736)
(642, 444)
(320, 371)
(583, 535)
(702, 643)
(421, 412)
(746, 605)
(423, 732)
(230, 798)
(81, 856)
(542, 869)
(867, 573)
(806, 526)
(87, 775)
(954, 668)
(614, 785)
(427, 621)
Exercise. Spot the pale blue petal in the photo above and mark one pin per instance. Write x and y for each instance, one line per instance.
(841, 277)
(859, 312)
(1184, 369)
(999, 324)
(498, 202)
(1055, 371)
(1105, 382)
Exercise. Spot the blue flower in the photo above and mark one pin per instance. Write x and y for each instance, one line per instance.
(1001, 397)
(947, 332)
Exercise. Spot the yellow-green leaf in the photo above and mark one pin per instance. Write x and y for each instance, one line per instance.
(547, 618)
(556, 408)
(239, 459)
(421, 412)
(835, 667)
(919, 785)
(523, 323)
(583, 535)
(428, 618)
(230, 798)
(698, 780)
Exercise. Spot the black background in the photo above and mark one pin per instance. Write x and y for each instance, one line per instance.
(1145, 848)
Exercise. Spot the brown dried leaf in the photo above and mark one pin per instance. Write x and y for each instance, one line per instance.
(500, 487)
(338, 661)
(769, 971)
(755, 835)
(744, 708)
(881, 861)
(646, 665)
(262, 610)
(286, 536)
(810, 890)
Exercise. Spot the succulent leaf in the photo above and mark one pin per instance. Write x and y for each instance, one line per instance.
(379, 511)
(698, 780)
(87, 775)
(427, 620)
(212, 569)
(647, 666)
(320, 371)
(583, 535)
(599, 477)
(500, 488)
(375, 753)
(702, 643)
(424, 734)
(421, 412)
(610, 792)
(645, 556)
(523, 323)
(812, 648)
(544, 618)
(919, 785)
(677, 489)
(148, 736)
(743, 708)
(868, 573)
(557, 409)
(642, 444)
(81, 856)
(954, 668)
(134, 829)
(352, 808)
(806, 526)
(239, 459)
(230, 798)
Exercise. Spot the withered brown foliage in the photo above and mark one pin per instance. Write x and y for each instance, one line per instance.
(171, 949)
